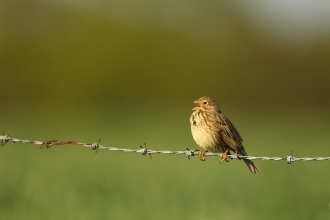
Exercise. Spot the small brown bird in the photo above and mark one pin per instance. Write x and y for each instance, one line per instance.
(213, 131)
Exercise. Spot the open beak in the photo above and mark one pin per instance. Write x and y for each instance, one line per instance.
(196, 103)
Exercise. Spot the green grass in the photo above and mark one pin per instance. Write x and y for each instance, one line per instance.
(71, 182)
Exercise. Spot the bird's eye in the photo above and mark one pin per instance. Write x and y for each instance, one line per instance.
(205, 103)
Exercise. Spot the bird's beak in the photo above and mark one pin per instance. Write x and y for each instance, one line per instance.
(196, 103)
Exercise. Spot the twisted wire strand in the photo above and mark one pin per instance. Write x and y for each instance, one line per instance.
(143, 150)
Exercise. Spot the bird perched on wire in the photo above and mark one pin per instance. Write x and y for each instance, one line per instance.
(213, 131)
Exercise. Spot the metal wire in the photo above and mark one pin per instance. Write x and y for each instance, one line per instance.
(143, 150)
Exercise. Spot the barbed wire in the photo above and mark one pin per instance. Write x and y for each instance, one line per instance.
(143, 150)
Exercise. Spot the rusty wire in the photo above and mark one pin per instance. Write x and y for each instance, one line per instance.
(143, 150)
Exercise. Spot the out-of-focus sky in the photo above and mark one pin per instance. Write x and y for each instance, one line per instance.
(292, 22)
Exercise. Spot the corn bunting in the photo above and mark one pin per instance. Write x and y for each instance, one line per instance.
(213, 131)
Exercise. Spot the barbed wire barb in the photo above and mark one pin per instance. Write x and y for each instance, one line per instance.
(5, 140)
(95, 146)
(143, 150)
(190, 153)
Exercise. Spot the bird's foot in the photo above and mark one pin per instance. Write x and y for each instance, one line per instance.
(224, 156)
(201, 155)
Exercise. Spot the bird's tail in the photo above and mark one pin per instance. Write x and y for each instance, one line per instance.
(253, 168)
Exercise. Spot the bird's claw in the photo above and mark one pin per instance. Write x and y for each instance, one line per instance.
(201, 155)
(224, 156)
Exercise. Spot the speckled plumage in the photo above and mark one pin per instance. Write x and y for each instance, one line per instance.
(214, 132)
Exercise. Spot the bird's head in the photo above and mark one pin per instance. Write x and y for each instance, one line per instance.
(205, 103)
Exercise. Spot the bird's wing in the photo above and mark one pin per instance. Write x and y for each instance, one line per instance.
(229, 134)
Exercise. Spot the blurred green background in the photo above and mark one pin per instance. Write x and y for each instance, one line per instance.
(127, 72)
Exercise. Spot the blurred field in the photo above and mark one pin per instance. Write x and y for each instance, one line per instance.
(74, 73)
(73, 182)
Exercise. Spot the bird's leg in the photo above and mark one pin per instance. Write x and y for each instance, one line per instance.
(201, 155)
(224, 156)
